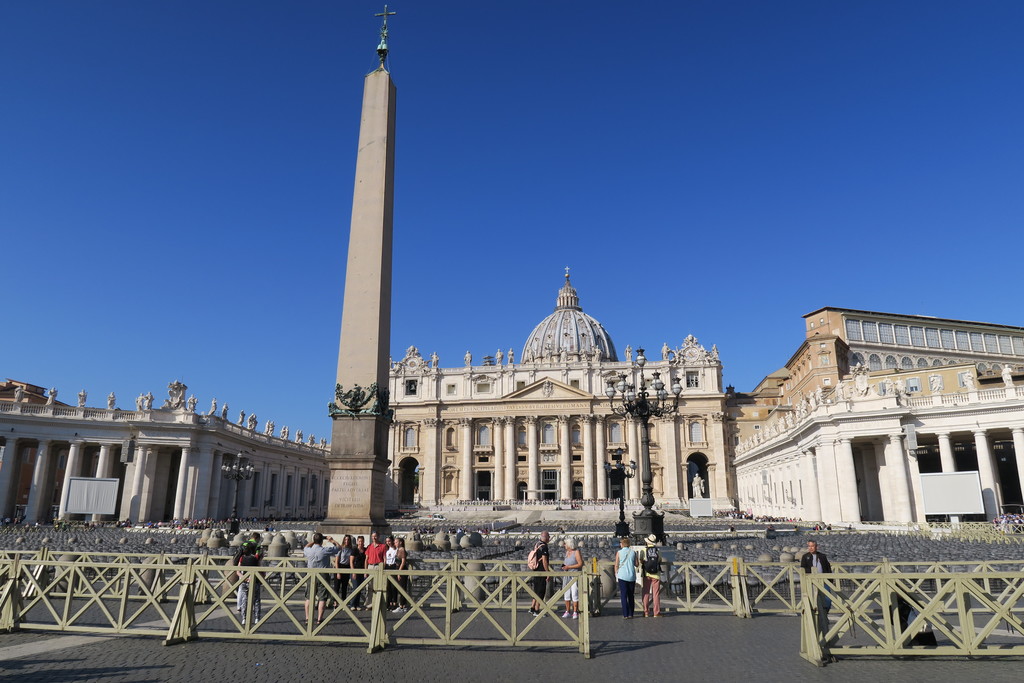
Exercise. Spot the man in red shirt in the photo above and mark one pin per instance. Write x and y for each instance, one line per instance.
(375, 551)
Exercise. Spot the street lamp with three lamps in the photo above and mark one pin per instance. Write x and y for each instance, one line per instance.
(237, 471)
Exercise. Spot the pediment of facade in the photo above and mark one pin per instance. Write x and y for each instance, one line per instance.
(548, 389)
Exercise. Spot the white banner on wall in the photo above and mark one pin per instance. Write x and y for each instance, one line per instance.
(88, 496)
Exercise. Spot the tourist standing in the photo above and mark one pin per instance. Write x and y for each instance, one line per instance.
(539, 583)
(625, 572)
(343, 560)
(391, 564)
(358, 561)
(375, 552)
(318, 557)
(403, 579)
(250, 557)
(650, 567)
(813, 562)
(573, 562)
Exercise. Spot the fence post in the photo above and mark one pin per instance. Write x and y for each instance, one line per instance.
(740, 601)
(378, 632)
(183, 625)
(10, 597)
(595, 608)
(810, 641)
(585, 580)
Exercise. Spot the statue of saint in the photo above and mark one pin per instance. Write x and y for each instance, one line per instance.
(698, 486)
(52, 397)
(498, 356)
(149, 401)
(241, 417)
(284, 432)
(629, 353)
(433, 359)
(140, 401)
(19, 394)
(1007, 374)
(511, 357)
(111, 401)
(468, 359)
(82, 396)
(224, 412)
(213, 407)
(191, 403)
(665, 351)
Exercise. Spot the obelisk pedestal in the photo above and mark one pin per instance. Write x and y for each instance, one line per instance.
(360, 413)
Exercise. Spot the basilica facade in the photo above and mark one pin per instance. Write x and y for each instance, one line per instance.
(540, 427)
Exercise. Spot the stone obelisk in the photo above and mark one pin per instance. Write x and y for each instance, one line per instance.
(360, 413)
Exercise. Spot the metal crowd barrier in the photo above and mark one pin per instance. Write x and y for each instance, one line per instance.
(182, 599)
(976, 614)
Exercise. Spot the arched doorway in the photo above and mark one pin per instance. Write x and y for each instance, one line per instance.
(577, 490)
(521, 491)
(409, 481)
(616, 484)
(697, 465)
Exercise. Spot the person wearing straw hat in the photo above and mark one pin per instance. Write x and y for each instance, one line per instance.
(650, 568)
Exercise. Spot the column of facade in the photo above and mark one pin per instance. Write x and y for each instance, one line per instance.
(587, 427)
(498, 478)
(216, 479)
(182, 487)
(828, 486)
(1018, 453)
(200, 479)
(38, 495)
(846, 476)
(533, 458)
(103, 463)
(668, 437)
(466, 446)
(134, 499)
(564, 459)
(633, 443)
(988, 474)
(430, 464)
(70, 470)
(512, 459)
(601, 454)
(812, 501)
(946, 453)
(148, 484)
(8, 463)
(896, 471)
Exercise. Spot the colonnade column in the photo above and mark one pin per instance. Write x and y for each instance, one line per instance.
(511, 457)
(988, 474)
(533, 477)
(70, 470)
(1018, 453)
(587, 423)
(633, 436)
(564, 459)
(202, 476)
(142, 457)
(8, 463)
(37, 495)
(103, 463)
(466, 445)
(896, 471)
(846, 475)
(668, 437)
(812, 501)
(182, 487)
(498, 478)
(946, 453)
(430, 469)
(601, 450)
(216, 479)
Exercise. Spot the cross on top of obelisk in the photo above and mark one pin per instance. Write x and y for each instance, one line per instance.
(382, 49)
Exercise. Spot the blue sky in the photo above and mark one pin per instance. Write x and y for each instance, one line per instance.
(176, 178)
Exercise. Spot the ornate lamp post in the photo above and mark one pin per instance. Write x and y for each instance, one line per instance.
(240, 469)
(628, 472)
(636, 401)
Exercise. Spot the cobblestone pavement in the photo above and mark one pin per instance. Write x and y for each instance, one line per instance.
(679, 646)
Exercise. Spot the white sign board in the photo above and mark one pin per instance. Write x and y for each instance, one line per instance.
(952, 493)
(701, 507)
(88, 496)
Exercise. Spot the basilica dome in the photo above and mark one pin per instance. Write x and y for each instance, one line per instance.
(568, 330)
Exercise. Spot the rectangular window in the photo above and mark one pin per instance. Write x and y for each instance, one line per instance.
(450, 389)
(1018, 346)
(692, 379)
(977, 343)
(885, 334)
(947, 339)
(827, 381)
(312, 490)
(931, 336)
(410, 387)
(913, 384)
(1004, 344)
(852, 330)
(302, 491)
(288, 491)
(870, 331)
(483, 388)
(273, 489)
(902, 334)
(963, 341)
(520, 385)
(574, 383)
(917, 336)
(990, 343)
(520, 458)
(483, 459)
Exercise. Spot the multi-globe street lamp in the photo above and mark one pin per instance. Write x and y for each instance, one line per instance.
(627, 472)
(237, 471)
(637, 402)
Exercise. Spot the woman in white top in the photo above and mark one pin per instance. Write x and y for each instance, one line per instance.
(573, 562)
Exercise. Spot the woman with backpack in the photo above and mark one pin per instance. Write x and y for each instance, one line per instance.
(625, 572)
(650, 566)
(573, 562)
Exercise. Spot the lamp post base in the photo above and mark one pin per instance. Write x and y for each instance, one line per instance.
(647, 522)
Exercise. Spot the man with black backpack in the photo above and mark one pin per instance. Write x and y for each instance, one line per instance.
(537, 561)
(650, 565)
